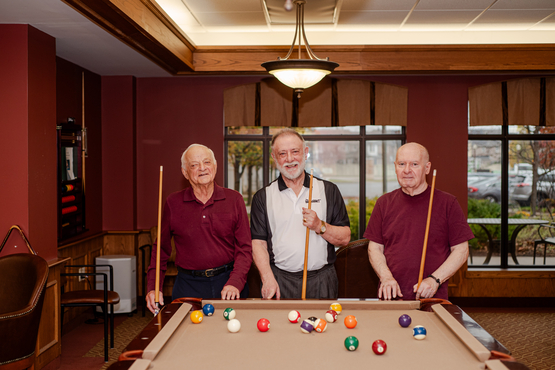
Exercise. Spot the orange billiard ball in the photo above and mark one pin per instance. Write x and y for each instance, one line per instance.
(197, 316)
(350, 321)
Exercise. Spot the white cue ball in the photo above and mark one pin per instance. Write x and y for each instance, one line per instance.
(233, 326)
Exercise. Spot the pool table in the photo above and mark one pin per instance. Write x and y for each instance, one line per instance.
(454, 341)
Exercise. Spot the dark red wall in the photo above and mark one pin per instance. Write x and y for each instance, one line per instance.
(28, 138)
(118, 153)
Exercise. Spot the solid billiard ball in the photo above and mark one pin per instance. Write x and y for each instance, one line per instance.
(294, 316)
(350, 321)
(233, 326)
(196, 316)
(405, 320)
(351, 343)
(379, 347)
(263, 325)
(331, 316)
(336, 307)
(320, 325)
(419, 332)
(229, 313)
(208, 309)
(306, 326)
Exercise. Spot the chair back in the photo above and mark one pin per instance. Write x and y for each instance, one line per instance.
(22, 282)
(356, 276)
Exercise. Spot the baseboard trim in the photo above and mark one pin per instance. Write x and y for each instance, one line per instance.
(503, 301)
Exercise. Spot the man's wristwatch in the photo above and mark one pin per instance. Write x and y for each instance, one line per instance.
(322, 228)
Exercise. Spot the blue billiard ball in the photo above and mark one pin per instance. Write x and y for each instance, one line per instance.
(405, 320)
(208, 309)
(419, 332)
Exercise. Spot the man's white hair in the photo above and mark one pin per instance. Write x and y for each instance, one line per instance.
(184, 155)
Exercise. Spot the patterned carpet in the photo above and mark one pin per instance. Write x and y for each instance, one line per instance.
(529, 336)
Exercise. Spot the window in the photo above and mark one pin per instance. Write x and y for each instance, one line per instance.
(511, 173)
(337, 154)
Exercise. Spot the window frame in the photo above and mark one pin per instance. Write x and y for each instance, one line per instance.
(505, 137)
(362, 137)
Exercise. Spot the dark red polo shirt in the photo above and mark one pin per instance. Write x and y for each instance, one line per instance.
(206, 235)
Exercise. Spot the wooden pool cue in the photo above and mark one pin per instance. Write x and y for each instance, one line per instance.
(307, 237)
(158, 244)
(423, 262)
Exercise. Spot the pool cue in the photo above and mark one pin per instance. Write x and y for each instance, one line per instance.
(307, 237)
(422, 263)
(158, 234)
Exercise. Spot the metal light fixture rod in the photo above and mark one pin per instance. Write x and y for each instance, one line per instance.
(299, 30)
(300, 74)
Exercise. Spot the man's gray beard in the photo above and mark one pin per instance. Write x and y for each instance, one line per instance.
(296, 174)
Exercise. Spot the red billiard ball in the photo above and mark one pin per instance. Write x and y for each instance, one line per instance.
(379, 347)
(263, 325)
(294, 316)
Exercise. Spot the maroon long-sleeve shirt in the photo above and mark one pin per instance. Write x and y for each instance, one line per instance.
(206, 235)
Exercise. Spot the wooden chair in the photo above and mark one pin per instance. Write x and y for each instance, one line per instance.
(356, 276)
(22, 282)
(545, 239)
(105, 298)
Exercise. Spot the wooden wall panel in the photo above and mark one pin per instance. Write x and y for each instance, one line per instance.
(504, 283)
(120, 243)
(49, 338)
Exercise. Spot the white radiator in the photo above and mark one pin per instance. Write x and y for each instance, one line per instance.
(125, 280)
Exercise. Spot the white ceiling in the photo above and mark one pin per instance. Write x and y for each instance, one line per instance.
(265, 22)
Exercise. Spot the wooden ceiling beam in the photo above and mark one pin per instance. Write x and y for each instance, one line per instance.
(391, 58)
(144, 26)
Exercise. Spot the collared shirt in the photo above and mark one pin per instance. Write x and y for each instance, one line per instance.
(276, 217)
(206, 235)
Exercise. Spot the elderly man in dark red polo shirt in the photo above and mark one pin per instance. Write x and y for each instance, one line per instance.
(211, 231)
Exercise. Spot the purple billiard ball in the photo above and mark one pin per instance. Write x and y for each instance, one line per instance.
(404, 320)
(306, 326)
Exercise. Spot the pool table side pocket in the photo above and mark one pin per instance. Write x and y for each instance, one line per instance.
(477, 348)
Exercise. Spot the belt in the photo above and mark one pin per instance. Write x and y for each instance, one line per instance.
(207, 273)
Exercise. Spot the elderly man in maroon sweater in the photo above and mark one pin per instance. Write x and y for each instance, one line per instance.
(397, 227)
(211, 232)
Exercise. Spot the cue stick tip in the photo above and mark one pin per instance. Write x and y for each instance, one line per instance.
(162, 168)
(435, 172)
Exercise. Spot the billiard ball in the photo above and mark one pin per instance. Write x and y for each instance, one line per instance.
(196, 316)
(208, 309)
(312, 320)
(405, 320)
(306, 326)
(233, 326)
(263, 325)
(229, 313)
(379, 347)
(320, 325)
(419, 332)
(350, 321)
(294, 316)
(331, 316)
(351, 343)
(336, 307)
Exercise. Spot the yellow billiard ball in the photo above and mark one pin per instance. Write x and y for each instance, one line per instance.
(336, 307)
(197, 316)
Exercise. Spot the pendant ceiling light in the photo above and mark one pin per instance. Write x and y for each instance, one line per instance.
(300, 74)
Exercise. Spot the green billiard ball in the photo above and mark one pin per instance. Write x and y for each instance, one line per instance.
(229, 313)
(351, 343)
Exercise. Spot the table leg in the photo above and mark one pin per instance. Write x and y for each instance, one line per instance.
(512, 246)
(490, 244)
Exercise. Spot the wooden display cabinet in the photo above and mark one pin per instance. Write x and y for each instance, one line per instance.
(71, 185)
